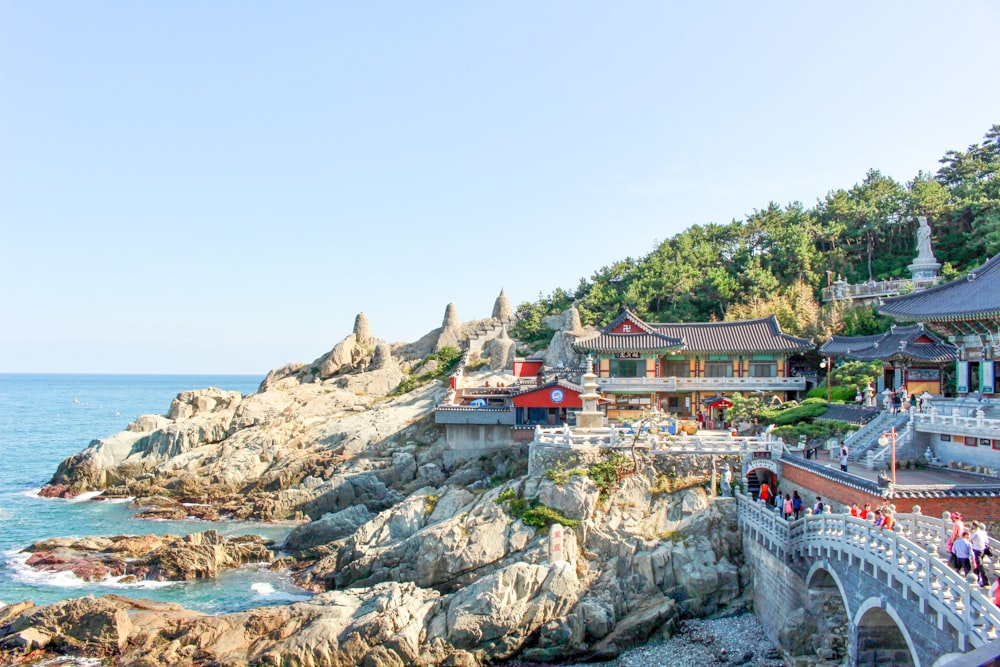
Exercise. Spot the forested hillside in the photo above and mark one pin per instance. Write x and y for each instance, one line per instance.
(777, 260)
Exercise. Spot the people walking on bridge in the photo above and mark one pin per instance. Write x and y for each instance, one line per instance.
(980, 540)
(964, 555)
(866, 512)
(957, 528)
(796, 505)
(787, 509)
(765, 494)
(818, 507)
(888, 519)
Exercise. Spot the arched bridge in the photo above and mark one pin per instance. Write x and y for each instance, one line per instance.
(840, 587)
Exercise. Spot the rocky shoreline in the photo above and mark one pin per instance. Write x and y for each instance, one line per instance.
(417, 555)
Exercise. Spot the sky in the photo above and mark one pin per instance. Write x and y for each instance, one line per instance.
(221, 187)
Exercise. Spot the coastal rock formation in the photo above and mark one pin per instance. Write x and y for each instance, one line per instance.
(502, 310)
(148, 557)
(417, 556)
(567, 327)
(500, 351)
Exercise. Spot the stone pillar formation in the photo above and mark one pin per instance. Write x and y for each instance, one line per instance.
(502, 309)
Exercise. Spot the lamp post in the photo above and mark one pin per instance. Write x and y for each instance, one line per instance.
(826, 363)
(883, 440)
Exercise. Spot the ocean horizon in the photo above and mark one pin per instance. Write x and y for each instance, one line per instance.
(47, 417)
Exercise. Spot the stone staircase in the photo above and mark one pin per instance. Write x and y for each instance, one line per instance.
(865, 439)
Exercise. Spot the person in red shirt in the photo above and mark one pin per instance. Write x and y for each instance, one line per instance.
(855, 510)
(765, 494)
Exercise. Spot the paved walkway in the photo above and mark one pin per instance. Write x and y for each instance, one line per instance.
(921, 477)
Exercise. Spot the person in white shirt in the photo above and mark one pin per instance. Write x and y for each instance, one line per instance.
(980, 540)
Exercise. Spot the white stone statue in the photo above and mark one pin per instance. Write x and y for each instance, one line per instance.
(924, 240)
(727, 482)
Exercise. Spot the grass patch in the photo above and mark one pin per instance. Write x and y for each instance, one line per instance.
(447, 358)
(560, 474)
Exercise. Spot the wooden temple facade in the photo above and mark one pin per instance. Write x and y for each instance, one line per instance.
(687, 368)
(966, 312)
(913, 358)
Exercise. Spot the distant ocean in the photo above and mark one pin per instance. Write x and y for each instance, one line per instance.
(46, 418)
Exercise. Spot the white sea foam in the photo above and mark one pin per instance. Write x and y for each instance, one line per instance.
(21, 571)
(262, 588)
(69, 661)
(85, 496)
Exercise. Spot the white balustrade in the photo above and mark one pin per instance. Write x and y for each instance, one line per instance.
(907, 558)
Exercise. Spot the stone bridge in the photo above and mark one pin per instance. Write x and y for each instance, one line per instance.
(838, 587)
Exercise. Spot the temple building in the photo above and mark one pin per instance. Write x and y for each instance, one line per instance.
(912, 357)
(687, 368)
(967, 312)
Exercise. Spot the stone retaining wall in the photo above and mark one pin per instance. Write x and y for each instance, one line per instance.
(545, 457)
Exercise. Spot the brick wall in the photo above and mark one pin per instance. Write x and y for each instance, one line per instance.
(809, 485)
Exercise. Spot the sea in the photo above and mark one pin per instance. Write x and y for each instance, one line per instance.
(45, 418)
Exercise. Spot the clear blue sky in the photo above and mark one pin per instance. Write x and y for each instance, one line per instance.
(223, 186)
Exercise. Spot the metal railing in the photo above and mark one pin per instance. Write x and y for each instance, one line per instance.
(672, 383)
(870, 290)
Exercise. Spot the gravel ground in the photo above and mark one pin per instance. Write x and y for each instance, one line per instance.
(724, 642)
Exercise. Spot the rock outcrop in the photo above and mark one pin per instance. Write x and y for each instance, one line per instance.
(148, 557)
(567, 327)
(416, 556)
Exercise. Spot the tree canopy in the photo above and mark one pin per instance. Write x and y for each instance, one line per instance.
(779, 258)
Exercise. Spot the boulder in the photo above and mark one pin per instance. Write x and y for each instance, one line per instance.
(576, 498)
(328, 528)
(493, 617)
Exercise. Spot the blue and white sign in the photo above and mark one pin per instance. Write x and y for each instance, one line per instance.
(987, 377)
(557, 395)
(962, 377)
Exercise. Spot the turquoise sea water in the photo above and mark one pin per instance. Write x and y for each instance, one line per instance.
(46, 418)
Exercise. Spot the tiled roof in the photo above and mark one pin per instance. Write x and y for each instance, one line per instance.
(760, 335)
(646, 339)
(897, 343)
(548, 385)
(975, 296)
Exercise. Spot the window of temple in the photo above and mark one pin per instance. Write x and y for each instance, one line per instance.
(628, 368)
(680, 368)
(719, 369)
(763, 369)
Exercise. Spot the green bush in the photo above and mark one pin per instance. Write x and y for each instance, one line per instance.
(838, 394)
(531, 512)
(447, 358)
(784, 417)
(607, 474)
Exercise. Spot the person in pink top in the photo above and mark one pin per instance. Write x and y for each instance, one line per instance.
(957, 528)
